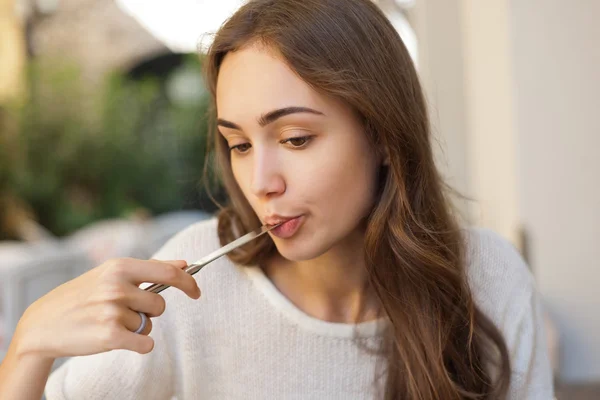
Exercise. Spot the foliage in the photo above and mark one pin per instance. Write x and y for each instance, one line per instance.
(80, 153)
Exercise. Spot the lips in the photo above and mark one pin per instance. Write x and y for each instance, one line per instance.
(276, 219)
(289, 225)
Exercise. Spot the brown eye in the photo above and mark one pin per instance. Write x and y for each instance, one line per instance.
(241, 148)
(298, 142)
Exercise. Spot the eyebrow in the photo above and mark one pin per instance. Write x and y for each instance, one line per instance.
(272, 116)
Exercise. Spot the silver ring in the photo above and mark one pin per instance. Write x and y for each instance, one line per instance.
(143, 324)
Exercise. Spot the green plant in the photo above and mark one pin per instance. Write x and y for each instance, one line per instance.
(80, 155)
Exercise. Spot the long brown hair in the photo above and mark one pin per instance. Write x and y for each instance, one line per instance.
(439, 344)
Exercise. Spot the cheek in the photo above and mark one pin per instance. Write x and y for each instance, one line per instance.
(242, 174)
(342, 182)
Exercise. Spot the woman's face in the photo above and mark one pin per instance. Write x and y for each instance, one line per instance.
(296, 154)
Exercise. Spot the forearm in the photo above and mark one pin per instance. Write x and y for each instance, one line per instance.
(23, 375)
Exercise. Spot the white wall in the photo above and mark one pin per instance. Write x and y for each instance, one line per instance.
(465, 67)
(441, 68)
(514, 89)
(491, 133)
(557, 85)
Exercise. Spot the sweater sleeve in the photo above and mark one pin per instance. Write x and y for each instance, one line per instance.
(531, 372)
(506, 292)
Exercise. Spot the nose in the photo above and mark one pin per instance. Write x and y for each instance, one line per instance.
(267, 179)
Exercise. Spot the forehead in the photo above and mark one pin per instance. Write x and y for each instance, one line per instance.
(255, 80)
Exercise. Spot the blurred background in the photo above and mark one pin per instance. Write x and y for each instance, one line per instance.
(103, 129)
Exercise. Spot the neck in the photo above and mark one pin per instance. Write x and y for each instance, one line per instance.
(332, 287)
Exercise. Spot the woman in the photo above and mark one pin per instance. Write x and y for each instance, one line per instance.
(369, 290)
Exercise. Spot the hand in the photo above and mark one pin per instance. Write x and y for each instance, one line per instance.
(97, 311)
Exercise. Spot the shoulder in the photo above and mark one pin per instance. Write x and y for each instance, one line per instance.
(500, 280)
(504, 290)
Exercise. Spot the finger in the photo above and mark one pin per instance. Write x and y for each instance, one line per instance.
(132, 321)
(177, 263)
(151, 304)
(139, 271)
(128, 340)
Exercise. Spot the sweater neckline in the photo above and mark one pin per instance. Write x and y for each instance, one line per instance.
(300, 318)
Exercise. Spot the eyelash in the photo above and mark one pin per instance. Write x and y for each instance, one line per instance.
(306, 140)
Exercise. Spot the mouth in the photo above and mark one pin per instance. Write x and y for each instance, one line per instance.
(288, 226)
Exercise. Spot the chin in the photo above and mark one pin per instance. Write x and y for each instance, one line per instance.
(301, 249)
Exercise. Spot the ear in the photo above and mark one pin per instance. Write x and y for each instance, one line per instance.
(386, 157)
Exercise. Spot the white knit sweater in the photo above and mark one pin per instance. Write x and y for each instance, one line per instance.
(244, 340)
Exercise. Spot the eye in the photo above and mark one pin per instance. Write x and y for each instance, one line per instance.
(298, 142)
(241, 148)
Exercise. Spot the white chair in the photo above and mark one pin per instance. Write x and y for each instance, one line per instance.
(108, 239)
(27, 272)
